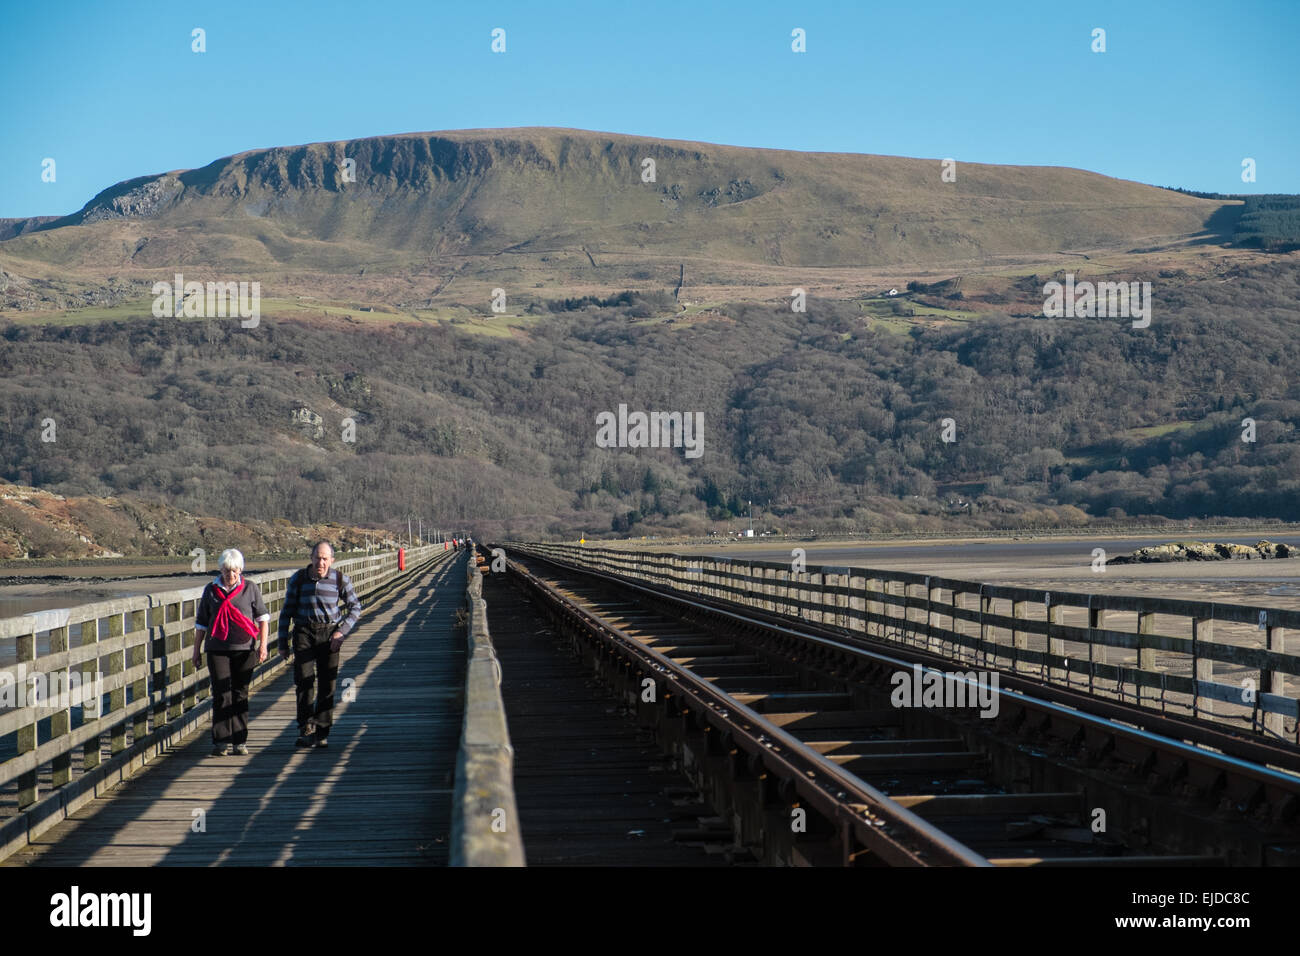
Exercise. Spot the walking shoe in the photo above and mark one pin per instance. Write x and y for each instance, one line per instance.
(242, 750)
(221, 750)
(322, 738)
(306, 739)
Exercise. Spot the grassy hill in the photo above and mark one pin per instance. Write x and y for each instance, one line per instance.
(523, 208)
(925, 303)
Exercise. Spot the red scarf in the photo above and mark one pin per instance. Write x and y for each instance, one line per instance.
(228, 613)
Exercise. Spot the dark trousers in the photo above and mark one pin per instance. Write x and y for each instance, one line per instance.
(314, 672)
(231, 674)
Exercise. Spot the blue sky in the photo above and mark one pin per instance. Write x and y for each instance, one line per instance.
(1184, 92)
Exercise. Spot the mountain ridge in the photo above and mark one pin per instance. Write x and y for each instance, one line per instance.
(530, 191)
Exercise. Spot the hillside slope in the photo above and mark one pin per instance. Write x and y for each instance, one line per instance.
(421, 198)
(40, 524)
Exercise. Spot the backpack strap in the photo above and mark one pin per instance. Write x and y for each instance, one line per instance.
(295, 586)
(344, 609)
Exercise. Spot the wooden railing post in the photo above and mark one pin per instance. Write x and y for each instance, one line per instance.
(1055, 645)
(61, 721)
(856, 622)
(90, 752)
(1019, 638)
(931, 642)
(179, 651)
(1146, 656)
(843, 600)
(986, 608)
(909, 608)
(157, 618)
(137, 656)
(875, 607)
(1096, 651)
(116, 696)
(956, 602)
(905, 627)
(1202, 667)
(1274, 681)
(26, 734)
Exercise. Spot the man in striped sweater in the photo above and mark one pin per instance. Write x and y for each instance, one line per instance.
(323, 609)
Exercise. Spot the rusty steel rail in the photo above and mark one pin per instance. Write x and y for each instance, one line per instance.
(897, 835)
(1245, 768)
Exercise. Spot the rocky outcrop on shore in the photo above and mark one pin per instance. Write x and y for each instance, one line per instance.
(1207, 551)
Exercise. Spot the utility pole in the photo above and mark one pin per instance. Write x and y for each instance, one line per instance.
(421, 535)
(408, 532)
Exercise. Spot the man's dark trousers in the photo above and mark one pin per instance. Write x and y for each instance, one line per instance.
(314, 672)
(231, 674)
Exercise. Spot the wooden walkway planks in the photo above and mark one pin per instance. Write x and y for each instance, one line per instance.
(592, 788)
(379, 794)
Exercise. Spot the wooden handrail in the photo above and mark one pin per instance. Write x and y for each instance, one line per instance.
(1057, 636)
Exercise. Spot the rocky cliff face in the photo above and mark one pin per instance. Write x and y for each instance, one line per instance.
(137, 199)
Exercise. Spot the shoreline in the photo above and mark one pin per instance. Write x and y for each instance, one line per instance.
(938, 539)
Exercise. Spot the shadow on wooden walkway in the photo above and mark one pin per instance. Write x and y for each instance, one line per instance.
(379, 794)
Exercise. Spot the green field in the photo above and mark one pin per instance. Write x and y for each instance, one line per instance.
(882, 315)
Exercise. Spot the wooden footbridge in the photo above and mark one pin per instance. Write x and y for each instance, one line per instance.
(136, 785)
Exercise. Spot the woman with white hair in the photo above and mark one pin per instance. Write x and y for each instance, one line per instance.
(231, 620)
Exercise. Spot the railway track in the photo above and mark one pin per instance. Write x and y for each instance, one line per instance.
(824, 747)
(592, 788)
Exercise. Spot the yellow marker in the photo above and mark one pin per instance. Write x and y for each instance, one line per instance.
(582, 541)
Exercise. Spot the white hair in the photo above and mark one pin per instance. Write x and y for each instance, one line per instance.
(230, 558)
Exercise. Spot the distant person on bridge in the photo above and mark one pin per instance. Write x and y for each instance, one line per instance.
(323, 609)
(230, 616)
